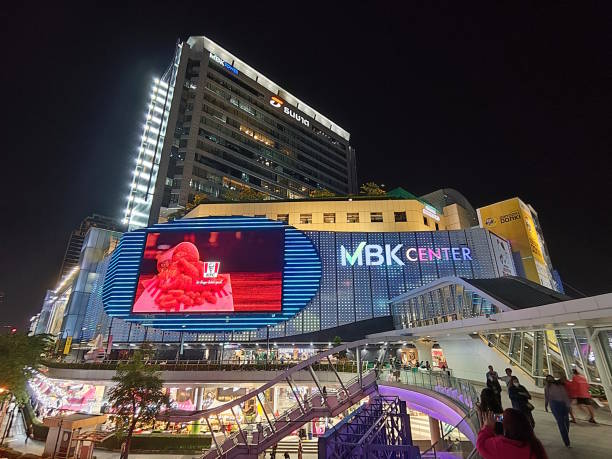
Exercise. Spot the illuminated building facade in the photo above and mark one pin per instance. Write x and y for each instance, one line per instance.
(215, 125)
(349, 279)
(75, 243)
(518, 222)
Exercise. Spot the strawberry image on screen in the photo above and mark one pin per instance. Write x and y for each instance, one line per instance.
(211, 272)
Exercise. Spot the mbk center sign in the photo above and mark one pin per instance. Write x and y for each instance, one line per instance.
(377, 255)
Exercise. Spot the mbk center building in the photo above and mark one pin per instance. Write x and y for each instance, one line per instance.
(245, 279)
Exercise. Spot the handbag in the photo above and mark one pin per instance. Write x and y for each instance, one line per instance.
(530, 407)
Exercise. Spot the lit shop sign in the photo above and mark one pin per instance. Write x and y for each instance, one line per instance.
(278, 103)
(220, 61)
(377, 255)
(431, 212)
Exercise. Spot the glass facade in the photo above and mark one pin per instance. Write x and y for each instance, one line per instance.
(349, 293)
(96, 246)
(221, 128)
(556, 352)
(438, 305)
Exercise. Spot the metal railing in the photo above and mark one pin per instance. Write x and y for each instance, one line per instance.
(460, 390)
(343, 366)
(453, 441)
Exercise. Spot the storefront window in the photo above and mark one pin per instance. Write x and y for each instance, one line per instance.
(554, 354)
(540, 363)
(515, 349)
(527, 353)
(572, 359)
(588, 356)
(605, 336)
(504, 342)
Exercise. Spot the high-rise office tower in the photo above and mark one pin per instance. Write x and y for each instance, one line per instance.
(75, 243)
(215, 124)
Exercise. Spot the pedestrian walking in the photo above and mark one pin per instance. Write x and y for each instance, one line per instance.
(507, 378)
(556, 397)
(493, 383)
(260, 431)
(569, 388)
(583, 396)
(519, 396)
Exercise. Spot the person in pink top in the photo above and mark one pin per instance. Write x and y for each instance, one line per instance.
(517, 442)
(582, 394)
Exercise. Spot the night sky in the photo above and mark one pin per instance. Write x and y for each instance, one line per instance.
(495, 101)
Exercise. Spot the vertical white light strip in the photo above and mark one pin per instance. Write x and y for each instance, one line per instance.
(144, 175)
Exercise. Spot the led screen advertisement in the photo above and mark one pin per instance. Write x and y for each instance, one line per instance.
(203, 272)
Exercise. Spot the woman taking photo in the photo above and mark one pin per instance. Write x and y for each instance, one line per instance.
(517, 442)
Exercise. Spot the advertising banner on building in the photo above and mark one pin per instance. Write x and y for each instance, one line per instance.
(502, 253)
(513, 220)
(211, 272)
(67, 345)
(506, 220)
(535, 244)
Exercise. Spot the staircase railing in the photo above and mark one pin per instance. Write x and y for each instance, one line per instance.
(322, 402)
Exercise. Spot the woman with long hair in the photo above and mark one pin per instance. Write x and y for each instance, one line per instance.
(517, 442)
(488, 402)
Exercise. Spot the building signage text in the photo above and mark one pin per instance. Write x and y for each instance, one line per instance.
(376, 255)
(510, 217)
(278, 103)
(431, 212)
(220, 61)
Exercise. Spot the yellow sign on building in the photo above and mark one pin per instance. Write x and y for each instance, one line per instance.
(513, 220)
(67, 345)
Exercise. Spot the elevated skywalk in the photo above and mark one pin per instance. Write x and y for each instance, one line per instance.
(324, 402)
(248, 443)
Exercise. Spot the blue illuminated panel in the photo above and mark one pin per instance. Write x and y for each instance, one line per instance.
(301, 277)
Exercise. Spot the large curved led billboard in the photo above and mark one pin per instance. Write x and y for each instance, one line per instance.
(212, 274)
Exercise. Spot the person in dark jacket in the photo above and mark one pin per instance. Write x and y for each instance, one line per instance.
(519, 396)
(493, 383)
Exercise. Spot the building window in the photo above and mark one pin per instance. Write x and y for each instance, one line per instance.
(257, 135)
(352, 217)
(425, 221)
(437, 227)
(305, 218)
(329, 218)
(283, 218)
(376, 217)
(400, 216)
